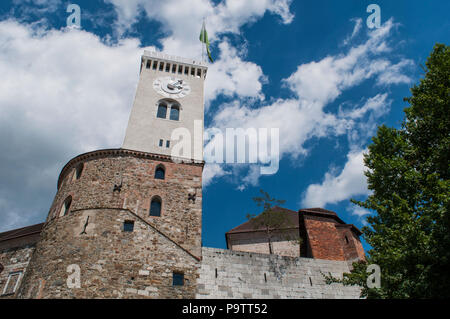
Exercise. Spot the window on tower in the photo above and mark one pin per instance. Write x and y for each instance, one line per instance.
(160, 172)
(175, 113)
(155, 206)
(66, 206)
(78, 171)
(162, 111)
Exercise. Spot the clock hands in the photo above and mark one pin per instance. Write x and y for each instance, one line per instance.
(175, 85)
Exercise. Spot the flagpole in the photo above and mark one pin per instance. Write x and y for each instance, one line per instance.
(203, 44)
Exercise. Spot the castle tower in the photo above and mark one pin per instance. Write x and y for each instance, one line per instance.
(126, 223)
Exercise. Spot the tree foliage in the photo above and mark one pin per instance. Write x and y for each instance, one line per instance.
(408, 172)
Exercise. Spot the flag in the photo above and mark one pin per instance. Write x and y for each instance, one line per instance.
(204, 39)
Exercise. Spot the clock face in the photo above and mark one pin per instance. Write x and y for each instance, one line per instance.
(171, 87)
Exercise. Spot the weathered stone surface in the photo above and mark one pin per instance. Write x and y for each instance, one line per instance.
(254, 275)
(114, 263)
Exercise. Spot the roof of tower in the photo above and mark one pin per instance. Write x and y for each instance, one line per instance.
(292, 217)
(174, 58)
(294, 220)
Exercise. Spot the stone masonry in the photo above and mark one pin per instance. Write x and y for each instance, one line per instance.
(231, 274)
(114, 263)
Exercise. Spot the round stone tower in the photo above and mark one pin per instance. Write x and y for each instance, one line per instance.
(126, 223)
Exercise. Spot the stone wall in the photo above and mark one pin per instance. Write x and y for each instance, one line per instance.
(113, 263)
(14, 261)
(283, 243)
(231, 274)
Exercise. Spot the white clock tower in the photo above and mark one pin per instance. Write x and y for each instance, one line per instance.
(169, 96)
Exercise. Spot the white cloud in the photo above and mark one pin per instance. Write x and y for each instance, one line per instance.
(64, 93)
(315, 85)
(351, 181)
(356, 29)
(230, 75)
(210, 171)
(324, 81)
(183, 18)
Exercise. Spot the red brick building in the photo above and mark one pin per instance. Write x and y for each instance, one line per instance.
(322, 234)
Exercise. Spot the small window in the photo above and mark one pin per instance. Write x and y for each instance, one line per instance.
(186, 70)
(155, 207)
(149, 63)
(174, 68)
(78, 171)
(175, 113)
(199, 73)
(1, 268)
(346, 239)
(161, 66)
(159, 172)
(180, 69)
(12, 283)
(192, 71)
(128, 226)
(155, 65)
(161, 143)
(162, 111)
(178, 279)
(167, 144)
(66, 206)
(167, 67)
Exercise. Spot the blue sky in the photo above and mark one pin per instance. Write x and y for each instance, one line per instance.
(311, 68)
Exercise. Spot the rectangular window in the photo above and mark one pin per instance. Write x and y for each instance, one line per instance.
(12, 283)
(155, 65)
(149, 63)
(161, 66)
(174, 68)
(167, 67)
(178, 279)
(167, 144)
(180, 69)
(128, 226)
(193, 71)
(161, 142)
(186, 70)
(199, 73)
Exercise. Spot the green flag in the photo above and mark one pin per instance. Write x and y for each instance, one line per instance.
(204, 39)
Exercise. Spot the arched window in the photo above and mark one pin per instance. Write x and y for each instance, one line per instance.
(78, 171)
(162, 110)
(160, 173)
(175, 113)
(155, 206)
(66, 206)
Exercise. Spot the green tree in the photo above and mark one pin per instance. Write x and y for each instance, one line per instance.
(274, 222)
(409, 176)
